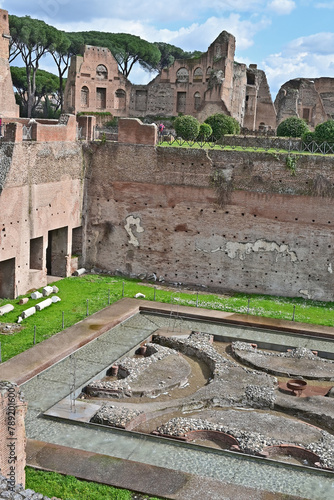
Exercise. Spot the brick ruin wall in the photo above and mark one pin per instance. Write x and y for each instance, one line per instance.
(228, 220)
(155, 210)
(41, 190)
(12, 434)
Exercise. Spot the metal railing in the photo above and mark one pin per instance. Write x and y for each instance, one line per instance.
(239, 143)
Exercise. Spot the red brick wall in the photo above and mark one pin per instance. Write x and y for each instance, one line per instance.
(12, 434)
(155, 210)
(133, 131)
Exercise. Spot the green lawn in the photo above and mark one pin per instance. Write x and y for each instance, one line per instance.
(91, 293)
(69, 488)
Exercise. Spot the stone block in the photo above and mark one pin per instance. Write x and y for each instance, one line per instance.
(6, 309)
(36, 295)
(47, 290)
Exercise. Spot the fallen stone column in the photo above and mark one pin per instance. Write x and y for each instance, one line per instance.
(6, 309)
(79, 272)
(36, 295)
(28, 312)
(44, 304)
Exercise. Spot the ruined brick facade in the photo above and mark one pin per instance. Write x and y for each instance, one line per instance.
(41, 199)
(8, 107)
(94, 83)
(12, 434)
(309, 99)
(212, 83)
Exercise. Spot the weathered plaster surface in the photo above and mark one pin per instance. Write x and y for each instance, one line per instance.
(130, 222)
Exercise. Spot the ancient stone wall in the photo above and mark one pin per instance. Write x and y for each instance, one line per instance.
(95, 84)
(311, 100)
(132, 131)
(41, 196)
(211, 83)
(156, 210)
(12, 434)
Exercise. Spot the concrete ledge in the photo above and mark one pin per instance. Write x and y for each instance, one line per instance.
(139, 477)
(62, 344)
(240, 319)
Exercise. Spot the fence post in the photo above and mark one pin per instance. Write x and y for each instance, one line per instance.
(62, 320)
(197, 300)
(123, 289)
(154, 293)
(248, 306)
(109, 297)
(293, 314)
(87, 311)
(34, 334)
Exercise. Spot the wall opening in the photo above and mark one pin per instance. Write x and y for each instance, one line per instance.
(36, 253)
(7, 279)
(77, 241)
(120, 101)
(250, 78)
(56, 252)
(306, 114)
(101, 72)
(198, 75)
(101, 98)
(197, 100)
(84, 97)
(181, 102)
(141, 100)
(182, 75)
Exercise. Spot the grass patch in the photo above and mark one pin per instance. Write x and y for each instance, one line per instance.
(69, 488)
(99, 290)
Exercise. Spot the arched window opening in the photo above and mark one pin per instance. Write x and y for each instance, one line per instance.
(182, 75)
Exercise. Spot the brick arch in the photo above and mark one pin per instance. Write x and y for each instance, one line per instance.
(198, 74)
(182, 75)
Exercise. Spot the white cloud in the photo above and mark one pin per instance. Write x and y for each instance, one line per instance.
(282, 6)
(193, 37)
(306, 57)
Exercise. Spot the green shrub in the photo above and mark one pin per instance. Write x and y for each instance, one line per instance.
(186, 127)
(324, 132)
(222, 124)
(112, 123)
(205, 131)
(292, 127)
(308, 137)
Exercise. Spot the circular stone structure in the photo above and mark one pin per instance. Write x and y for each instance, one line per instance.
(300, 362)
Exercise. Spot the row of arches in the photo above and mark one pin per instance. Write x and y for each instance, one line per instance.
(101, 98)
(183, 74)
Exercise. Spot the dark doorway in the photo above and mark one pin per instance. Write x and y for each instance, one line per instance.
(7, 279)
(56, 252)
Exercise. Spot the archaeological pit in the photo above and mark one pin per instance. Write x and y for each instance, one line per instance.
(231, 398)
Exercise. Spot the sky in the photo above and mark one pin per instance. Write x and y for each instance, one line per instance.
(285, 38)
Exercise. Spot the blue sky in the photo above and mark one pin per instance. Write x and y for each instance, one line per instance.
(285, 38)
